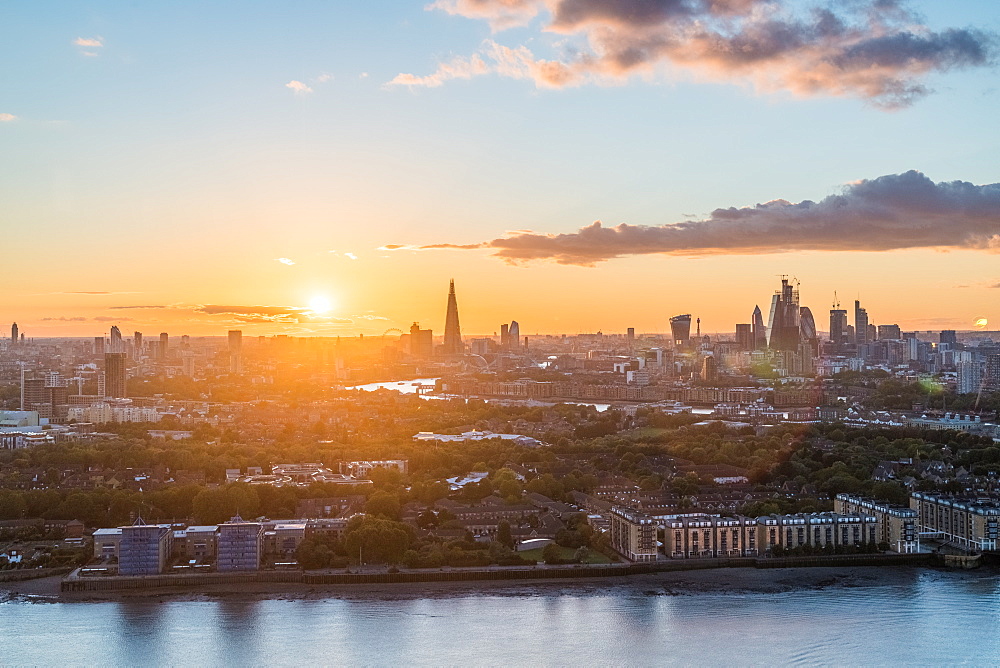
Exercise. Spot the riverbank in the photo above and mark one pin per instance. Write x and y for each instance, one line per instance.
(760, 576)
(728, 581)
(76, 584)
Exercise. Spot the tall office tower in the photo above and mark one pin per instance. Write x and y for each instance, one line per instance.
(970, 377)
(421, 341)
(99, 345)
(860, 323)
(783, 320)
(759, 331)
(114, 375)
(137, 345)
(514, 335)
(838, 326)
(807, 328)
(629, 338)
(948, 336)
(680, 330)
(161, 351)
(116, 340)
(991, 376)
(235, 351)
(505, 336)
(32, 391)
(187, 363)
(452, 330)
(709, 369)
(889, 333)
(744, 336)
(13, 334)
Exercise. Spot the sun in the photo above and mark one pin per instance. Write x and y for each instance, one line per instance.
(319, 304)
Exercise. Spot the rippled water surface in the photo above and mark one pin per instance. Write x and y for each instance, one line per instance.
(894, 617)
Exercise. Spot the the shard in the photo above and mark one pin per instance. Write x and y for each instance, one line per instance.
(452, 330)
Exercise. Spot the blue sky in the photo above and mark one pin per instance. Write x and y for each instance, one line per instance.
(176, 163)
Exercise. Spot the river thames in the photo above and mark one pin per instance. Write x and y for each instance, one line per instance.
(829, 616)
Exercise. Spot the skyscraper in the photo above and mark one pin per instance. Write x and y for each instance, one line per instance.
(421, 341)
(13, 334)
(116, 340)
(759, 331)
(161, 351)
(860, 323)
(838, 325)
(744, 336)
(784, 317)
(452, 330)
(137, 345)
(514, 335)
(807, 328)
(114, 375)
(235, 351)
(680, 330)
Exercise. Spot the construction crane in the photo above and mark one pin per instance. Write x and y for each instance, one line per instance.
(979, 396)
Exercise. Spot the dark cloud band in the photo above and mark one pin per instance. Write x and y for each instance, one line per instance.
(891, 212)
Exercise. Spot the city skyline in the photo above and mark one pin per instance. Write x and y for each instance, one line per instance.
(296, 173)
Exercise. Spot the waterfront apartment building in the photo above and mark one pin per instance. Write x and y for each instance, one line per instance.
(239, 545)
(897, 526)
(704, 536)
(144, 549)
(968, 523)
(107, 543)
(197, 542)
(709, 536)
(633, 534)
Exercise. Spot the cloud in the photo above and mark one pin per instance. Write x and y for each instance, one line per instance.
(457, 68)
(98, 292)
(323, 78)
(7, 118)
(351, 256)
(284, 260)
(890, 212)
(299, 87)
(80, 318)
(118, 308)
(89, 41)
(501, 14)
(876, 50)
(215, 309)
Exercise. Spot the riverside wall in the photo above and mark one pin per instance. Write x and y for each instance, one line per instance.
(75, 583)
